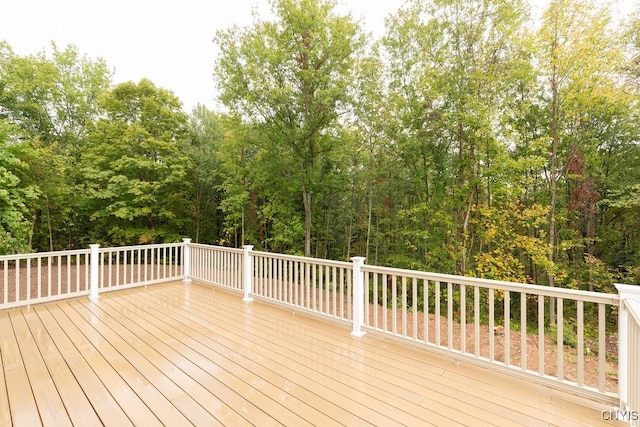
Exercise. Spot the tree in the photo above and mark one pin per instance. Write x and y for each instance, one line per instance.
(14, 225)
(453, 65)
(52, 100)
(370, 158)
(632, 38)
(292, 75)
(578, 56)
(134, 170)
(206, 131)
(239, 205)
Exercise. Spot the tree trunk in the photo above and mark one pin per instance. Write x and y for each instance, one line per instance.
(49, 227)
(349, 233)
(306, 199)
(198, 214)
(34, 217)
(553, 178)
(370, 209)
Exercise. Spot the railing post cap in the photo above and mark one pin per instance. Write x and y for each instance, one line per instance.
(628, 291)
(94, 245)
(186, 240)
(358, 259)
(248, 247)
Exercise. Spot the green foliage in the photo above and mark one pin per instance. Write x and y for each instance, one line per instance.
(135, 170)
(569, 333)
(206, 132)
(14, 226)
(468, 140)
(50, 100)
(292, 76)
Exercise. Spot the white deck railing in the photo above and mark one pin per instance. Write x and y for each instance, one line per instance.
(314, 285)
(633, 353)
(629, 355)
(130, 266)
(41, 277)
(498, 324)
(471, 319)
(217, 266)
(495, 323)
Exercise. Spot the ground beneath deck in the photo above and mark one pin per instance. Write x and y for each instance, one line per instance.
(189, 354)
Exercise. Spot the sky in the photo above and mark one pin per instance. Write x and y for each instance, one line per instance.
(168, 42)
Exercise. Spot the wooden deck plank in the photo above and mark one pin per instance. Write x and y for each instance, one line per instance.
(338, 394)
(515, 406)
(404, 401)
(104, 405)
(543, 409)
(50, 406)
(518, 400)
(24, 411)
(5, 411)
(474, 393)
(209, 381)
(141, 360)
(302, 411)
(156, 402)
(391, 375)
(375, 374)
(178, 384)
(519, 408)
(292, 375)
(132, 405)
(72, 396)
(196, 355)
(497, 418)
(140, 325)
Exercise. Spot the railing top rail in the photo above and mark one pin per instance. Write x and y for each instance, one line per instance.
(330, 263)
(36, 255)
(133, 247)
(217, 248)
(586, 296)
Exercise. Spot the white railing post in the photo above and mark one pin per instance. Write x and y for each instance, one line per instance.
(247, 273)
(358, 296)
(626, 292)
(186, 260)
(94, 277)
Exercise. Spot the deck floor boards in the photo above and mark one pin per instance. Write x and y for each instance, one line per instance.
(180, 354)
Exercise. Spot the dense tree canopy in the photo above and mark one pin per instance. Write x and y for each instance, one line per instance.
(134, 168)
(293, 77)
(468, 139)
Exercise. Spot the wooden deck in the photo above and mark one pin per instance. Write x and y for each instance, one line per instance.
(188, 354)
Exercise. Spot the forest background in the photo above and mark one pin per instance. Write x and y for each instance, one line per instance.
(468, 139)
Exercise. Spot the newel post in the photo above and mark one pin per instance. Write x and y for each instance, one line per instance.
(358, 296)
(186, 261)
(626, 292)
(247, 273)
(94, 277)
